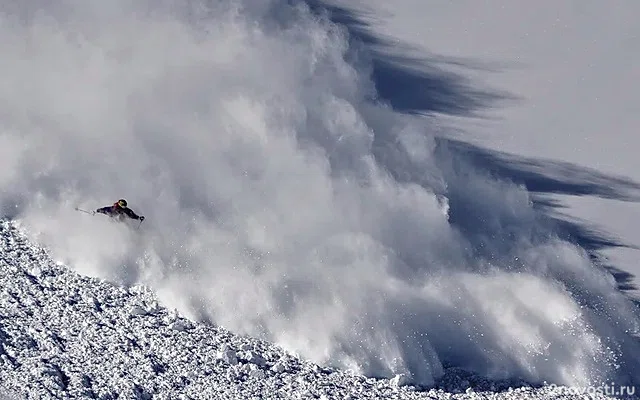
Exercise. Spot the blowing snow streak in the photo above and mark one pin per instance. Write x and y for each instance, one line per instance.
(264, 167)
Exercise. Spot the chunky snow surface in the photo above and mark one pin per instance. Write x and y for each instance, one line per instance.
(63, 335)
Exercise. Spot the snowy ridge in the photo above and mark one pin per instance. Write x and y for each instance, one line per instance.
(63, 335)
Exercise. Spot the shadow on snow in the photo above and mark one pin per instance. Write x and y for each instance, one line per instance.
(428, 85)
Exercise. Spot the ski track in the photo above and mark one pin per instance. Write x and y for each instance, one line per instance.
(63, 335)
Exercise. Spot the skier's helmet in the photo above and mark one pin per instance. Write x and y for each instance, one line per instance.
(122, 203)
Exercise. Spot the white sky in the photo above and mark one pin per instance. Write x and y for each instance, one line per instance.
(575, 67)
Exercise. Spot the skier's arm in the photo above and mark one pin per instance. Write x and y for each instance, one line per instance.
(103, 210)
(131, 214)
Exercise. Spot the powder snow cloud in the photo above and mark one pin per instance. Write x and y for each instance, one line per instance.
(247, 141)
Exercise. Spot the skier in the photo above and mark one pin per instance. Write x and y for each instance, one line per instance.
(118, 210)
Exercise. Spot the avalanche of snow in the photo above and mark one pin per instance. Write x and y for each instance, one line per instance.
(285, 201)
(63, 335)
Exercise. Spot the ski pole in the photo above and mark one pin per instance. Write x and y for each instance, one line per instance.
(85, 211)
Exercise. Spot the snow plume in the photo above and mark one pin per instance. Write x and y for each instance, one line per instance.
(246, 139)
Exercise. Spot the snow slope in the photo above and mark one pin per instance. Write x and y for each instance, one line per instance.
(63, 335)
(286, 199)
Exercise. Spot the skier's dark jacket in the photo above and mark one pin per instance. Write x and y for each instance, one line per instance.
(116, 210)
